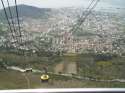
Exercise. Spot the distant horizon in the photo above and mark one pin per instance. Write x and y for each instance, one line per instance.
(58, 7)
(67, 3)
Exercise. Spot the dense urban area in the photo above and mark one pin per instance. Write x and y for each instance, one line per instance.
(102, 32)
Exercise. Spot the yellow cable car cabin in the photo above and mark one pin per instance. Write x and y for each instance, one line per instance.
(44, 78)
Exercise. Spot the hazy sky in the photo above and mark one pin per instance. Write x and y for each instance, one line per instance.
(67, 3)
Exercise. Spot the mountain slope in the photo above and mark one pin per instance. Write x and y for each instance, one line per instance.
(27, 11)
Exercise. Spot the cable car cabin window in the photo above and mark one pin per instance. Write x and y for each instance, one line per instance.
(62, 44)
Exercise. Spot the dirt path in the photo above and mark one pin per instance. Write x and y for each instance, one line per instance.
(59, 68)
(66, 67)
(72, 68)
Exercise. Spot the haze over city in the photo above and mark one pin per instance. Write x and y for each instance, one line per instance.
(66, 3)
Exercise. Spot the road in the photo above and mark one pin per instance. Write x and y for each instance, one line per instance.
(67, 75)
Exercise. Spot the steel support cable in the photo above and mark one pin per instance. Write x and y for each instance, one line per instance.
(11, 16)
(88, 12)
(17, 13)
(7, 19)
(76, 25)
(87, 8)
(96, 19)
(16, 32)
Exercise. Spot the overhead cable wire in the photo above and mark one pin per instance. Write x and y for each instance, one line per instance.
(7, 18)
(89, 12)
(11, 16)
(19, 26)
(81, 20)
(78, 20)
(15, 30)
(87, 8)
(17, 13)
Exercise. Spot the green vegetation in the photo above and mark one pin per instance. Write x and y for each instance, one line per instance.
(34, 61)
(87, 64)
(104, 63)
(102, 66)
(15, 80)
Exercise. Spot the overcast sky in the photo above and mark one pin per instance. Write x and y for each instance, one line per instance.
(67, 3)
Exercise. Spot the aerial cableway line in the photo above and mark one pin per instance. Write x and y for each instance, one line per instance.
(7, 19)
(11, 16)
(14, 29)
(18, 20)
(16, 33)
(84, 16)
(86, 9)
(19, 27)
